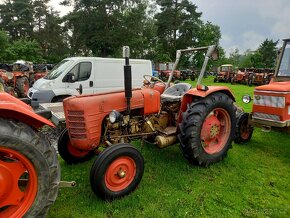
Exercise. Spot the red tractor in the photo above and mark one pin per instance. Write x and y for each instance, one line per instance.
(17, 81)
(29, 169)
(165, 69)
(225, 73)
(271, 106)
(202, 120)
(241, 76)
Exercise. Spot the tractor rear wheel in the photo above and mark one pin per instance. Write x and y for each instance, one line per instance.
(29, 171)
(207, 129)
(22, 86)
(117, 171)
(70, 154)
(243, 130)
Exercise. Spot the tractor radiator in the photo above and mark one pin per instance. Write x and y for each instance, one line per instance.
(269, 101)
(266, 116)
(76, 124)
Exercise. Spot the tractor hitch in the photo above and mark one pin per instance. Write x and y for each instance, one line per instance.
(66, 184)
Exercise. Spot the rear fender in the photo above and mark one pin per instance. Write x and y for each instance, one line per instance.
(13, 108)
(197, 94)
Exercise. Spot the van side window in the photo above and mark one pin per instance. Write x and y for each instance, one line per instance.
(82, 71)
(85, 71)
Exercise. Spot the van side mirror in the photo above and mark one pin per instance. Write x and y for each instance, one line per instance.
(69, 77)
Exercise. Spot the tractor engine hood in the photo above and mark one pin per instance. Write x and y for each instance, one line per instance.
(275, 87)
(85, 114)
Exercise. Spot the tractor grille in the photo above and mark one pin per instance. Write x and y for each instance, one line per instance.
(76, 124)
(269, 101)
(266, 116)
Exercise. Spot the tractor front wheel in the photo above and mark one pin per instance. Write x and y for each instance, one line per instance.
(207, 129)
(22, 86)
(70, 154)
(29, 171)
(117, 171)
(243, 130)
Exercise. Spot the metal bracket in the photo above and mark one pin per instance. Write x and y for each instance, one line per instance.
(66, 184)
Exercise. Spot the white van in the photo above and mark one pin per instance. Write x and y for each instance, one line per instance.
(93, 73)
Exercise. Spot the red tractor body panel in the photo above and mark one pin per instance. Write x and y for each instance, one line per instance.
(85, 114)
(13, 108)
(272, 103)
(189, 96)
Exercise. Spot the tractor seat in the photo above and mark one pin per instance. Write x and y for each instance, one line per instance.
(175, 92)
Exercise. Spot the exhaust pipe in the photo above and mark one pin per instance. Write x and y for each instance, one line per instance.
(127, 77)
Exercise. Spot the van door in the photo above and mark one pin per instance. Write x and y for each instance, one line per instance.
(82, 75)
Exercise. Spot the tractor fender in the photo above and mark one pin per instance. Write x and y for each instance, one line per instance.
(195, 93)
(13, 108)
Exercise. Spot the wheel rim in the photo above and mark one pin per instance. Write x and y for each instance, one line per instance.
(76, 152)
(120, 173)
(215, 131)
(18, 182)
(2, 88)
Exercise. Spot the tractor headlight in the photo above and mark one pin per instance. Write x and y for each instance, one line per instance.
(247, 99)
(114, 116)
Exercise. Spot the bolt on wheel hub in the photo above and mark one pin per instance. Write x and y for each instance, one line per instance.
(121, 173)
(214, 130)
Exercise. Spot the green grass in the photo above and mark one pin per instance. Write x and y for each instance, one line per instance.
(252, 181)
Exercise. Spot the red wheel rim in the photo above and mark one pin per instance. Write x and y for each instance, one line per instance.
(76, 152)
(215, 131)
(120, 173)
(18, 182)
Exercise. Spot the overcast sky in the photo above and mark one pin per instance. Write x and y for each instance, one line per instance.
(246, 23)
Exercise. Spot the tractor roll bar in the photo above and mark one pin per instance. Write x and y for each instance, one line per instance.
(211, 52)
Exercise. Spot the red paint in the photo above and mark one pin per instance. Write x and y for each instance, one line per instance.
(215, 131)
(113, 180)
(18, 201)
(93, 109)
(13, 108)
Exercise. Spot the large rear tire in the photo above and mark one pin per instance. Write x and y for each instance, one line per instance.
(117, 171)
(244, 131)
(29, 171)
(70, 154)
(207, 129)
(22, 86)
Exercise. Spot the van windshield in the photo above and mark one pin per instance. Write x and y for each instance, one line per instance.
(58, 69)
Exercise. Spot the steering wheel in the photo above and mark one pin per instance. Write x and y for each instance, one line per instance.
(152, 77)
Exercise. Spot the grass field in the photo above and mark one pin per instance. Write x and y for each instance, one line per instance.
(252, 181)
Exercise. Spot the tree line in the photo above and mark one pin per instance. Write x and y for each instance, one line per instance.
(31, 30)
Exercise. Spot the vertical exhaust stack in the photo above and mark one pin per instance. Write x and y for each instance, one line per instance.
(127, 77)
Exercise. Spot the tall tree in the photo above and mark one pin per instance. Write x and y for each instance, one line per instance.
(103, 27)
(178, 24)
(267, 52)
(17, 18)
(3, 45)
